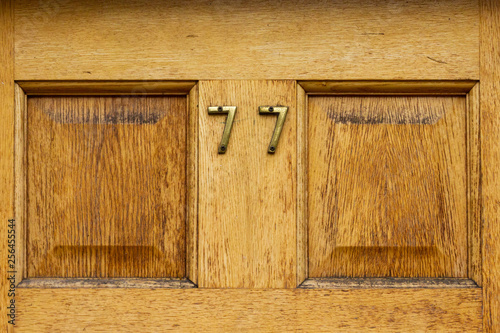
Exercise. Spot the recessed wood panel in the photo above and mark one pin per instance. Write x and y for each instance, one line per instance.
(387, 192)
(247, 197)
(106, 186)
(287, 39)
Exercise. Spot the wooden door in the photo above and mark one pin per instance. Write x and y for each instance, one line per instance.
(375, 211)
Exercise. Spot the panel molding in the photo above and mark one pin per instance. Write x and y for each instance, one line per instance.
(388, 283)
(468, 88)
(124, 87)
(20, 160)
(23, 89)
(392, 87)
(145, 283)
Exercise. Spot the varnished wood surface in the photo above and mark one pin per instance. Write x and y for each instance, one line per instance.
(490, 161)
(192, 187)
(420, 87)
(474, 185)
(302, 241)
(240, 310)
(20, 158)
(106, 87)
(286, 39)
(6, 148)
(106, 186)
(247, 197)
(387, 187)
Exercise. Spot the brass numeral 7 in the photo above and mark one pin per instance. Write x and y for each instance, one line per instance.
(281, 111)
(231, 113)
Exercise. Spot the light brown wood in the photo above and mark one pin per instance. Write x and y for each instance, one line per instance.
(247, 197)
(239, 310)
(387, 187)
(47, 283)
(7, 178)
(490, 161)
(302, 243)
(192, 187)
(401, 283)
(287, 39)
(106, 87)
(388, 87)
(106, 186)
(474, 185)
(20, 181)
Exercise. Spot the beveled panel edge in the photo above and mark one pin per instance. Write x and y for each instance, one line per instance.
(474, 206)
(24, 89)
(466, 88)
(383, 87)
(20, 180)
(107, 87)
(192, 185)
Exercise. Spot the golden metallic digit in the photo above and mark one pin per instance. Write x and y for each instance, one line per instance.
(281, 111)
(231, 112)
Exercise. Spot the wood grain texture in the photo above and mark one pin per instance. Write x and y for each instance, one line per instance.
(106, 87)
(287, 39)
(247, 197)
(106, 186)
(490, 161)
(6, 149)
(302, 243)
(192, 187)
(387, 187)
(240, 310)
(360, 87)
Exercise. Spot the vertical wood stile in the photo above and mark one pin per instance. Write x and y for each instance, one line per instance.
(490, 160)
(6, 146)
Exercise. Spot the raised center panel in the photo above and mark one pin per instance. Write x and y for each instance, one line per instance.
(387, 186)
(106, 186)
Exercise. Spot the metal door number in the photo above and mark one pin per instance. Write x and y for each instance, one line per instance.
(231, 112)
(281, 111)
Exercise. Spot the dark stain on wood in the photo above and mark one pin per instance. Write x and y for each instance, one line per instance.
(77, 283)
(360, 283)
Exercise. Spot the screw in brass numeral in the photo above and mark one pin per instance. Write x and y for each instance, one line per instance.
(281, 111)
(231, 113)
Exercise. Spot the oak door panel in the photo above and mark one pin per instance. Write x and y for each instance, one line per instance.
(247, 197)
(106, 186)
(387, 186)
